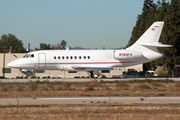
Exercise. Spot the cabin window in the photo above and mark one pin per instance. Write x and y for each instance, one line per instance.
(75, 57)
(88, 57)
(58, 57)
(79, 57)
(84, 57)
(71, 57)
(54, 57)
(67, 57)
(62, 57)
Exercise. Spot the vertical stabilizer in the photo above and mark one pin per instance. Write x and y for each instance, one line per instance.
(149, 40)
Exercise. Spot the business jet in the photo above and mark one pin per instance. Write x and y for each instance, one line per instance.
(142, 51)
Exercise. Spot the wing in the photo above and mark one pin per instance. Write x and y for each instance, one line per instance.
(93, 68)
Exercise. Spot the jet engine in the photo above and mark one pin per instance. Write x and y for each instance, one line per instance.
(127, 55)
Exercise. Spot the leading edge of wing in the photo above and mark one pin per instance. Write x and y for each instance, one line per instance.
(93, 68)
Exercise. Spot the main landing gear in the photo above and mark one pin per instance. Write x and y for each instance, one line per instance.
(92, 75)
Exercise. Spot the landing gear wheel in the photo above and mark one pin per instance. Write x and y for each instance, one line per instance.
(91, 74)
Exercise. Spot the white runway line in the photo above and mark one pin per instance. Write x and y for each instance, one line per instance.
(68, 98)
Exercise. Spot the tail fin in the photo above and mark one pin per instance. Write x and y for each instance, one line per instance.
(149, 40)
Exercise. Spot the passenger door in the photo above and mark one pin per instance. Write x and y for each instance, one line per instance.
(42, 60)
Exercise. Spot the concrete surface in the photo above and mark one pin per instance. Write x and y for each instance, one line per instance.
(86, 100)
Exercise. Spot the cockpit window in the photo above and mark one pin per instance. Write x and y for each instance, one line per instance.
(29, 56)
(32, 55)
(25, 56)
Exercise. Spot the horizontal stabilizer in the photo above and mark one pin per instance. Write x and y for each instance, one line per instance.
(155, 44)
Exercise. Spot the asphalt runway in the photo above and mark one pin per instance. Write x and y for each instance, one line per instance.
(87, 100)
(80, 79)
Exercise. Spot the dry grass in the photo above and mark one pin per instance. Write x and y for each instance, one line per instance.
(32, 85)
(3, 88)
(92, 112)
(92, 84)
(93, 88)
(144, 86)
(65, 86)
(177, 86)
(122, 85)
(18, 88)
(155, 84)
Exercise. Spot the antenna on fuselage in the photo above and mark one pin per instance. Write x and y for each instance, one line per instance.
(67, 48)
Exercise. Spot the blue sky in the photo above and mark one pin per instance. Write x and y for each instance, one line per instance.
(82, 23)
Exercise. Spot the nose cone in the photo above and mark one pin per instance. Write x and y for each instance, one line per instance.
(11, 64)
(14, 64)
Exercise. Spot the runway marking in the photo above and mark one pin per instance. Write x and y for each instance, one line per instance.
(68, 98)
(89, 100)
(112, 98)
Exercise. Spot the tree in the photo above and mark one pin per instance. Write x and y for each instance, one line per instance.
(171, 35)
(11, 40)
(59, 46)
(56, 47)
(161, 16)
(144, 20)
(44, 46)
(63, 44)
(162, 11)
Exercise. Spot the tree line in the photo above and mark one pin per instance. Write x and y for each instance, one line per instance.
(11, 43)
(169, 12)
(59, 46)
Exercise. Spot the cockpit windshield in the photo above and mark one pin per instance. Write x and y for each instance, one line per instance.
(25, 56)
(29, 56)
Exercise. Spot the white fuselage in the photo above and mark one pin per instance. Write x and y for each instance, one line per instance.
(142, 51)
(78, 59)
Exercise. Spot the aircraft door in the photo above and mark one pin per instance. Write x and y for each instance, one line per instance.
(42, 60)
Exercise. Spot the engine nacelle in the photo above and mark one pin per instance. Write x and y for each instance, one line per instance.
(127, 55)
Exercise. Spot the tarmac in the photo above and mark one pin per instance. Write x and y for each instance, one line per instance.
(87, 100)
